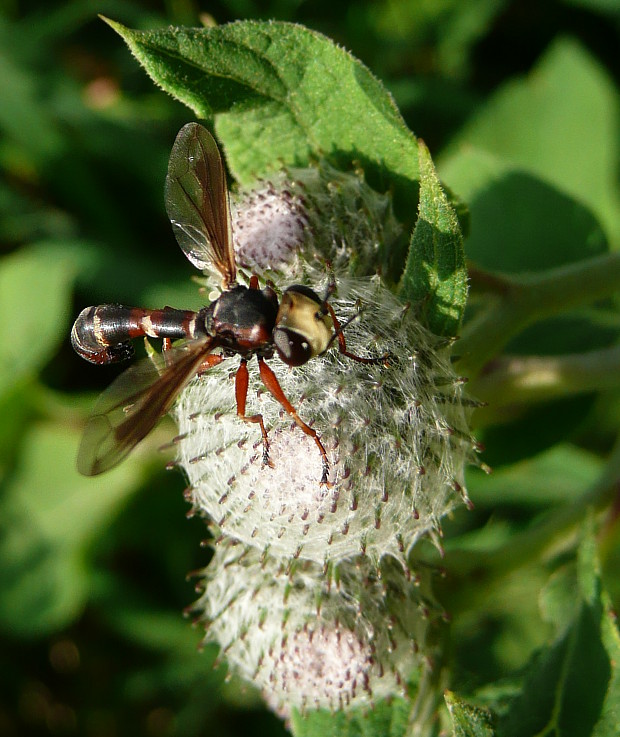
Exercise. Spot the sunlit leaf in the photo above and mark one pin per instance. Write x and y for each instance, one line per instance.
(282, 94)
(435, 278)
(50, 515)
(558, 124)
(555, 476)
(521, 222)
(34, 304)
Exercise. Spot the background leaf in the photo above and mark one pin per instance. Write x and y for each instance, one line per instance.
(554, 477)
(51, 516)
(385, 719)
(39, 279)
(568, 685)
(567, 90)
(529, 224)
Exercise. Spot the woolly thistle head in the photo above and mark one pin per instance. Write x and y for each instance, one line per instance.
(314, 213)
(395, 432)
(308, 640)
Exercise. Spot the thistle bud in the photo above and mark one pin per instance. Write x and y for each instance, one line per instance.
(309, 593)
(315, 213)
(314, 641)
(395, 431)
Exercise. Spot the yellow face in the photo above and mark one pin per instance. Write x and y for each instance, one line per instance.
(302, 330)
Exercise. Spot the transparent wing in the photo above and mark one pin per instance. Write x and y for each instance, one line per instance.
(133, 403)
(197, 202)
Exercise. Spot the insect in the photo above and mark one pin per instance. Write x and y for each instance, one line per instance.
(244, 320)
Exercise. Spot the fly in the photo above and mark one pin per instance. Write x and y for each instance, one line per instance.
(244, 321)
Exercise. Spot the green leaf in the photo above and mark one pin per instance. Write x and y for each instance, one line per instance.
(610, 7)
(384, 720)
(557, 601)
(558, 124)
(282, 94)
(573, 686)
(165, 633)
(556, 421)
(454, 27)
(556, 476)
(24, 118)
(521, 222)
(435, 277)
(50, 516)
(35, 290)
(468, 720)
(608, 724)
(15, 411)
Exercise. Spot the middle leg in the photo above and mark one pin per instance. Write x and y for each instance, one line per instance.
(241, 395)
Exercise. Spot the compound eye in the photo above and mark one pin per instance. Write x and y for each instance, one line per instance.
(292, 347)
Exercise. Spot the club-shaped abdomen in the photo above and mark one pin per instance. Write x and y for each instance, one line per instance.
(303, 328)
(96, 335)
(103, 334)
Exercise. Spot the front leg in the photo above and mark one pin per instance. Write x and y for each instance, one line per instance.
(270, 380)
(342, 343)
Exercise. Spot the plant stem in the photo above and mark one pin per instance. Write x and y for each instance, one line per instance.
(523, 299)
(432, 685)
(511, 380)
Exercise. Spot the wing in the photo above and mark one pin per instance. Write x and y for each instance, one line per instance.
(197, 202)
(131, 406)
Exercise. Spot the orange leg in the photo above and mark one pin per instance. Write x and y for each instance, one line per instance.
(342, 343)
(241, 395)
(211, 360)
(270, 380)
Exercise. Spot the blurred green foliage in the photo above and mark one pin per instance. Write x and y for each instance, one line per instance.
(518, 103)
